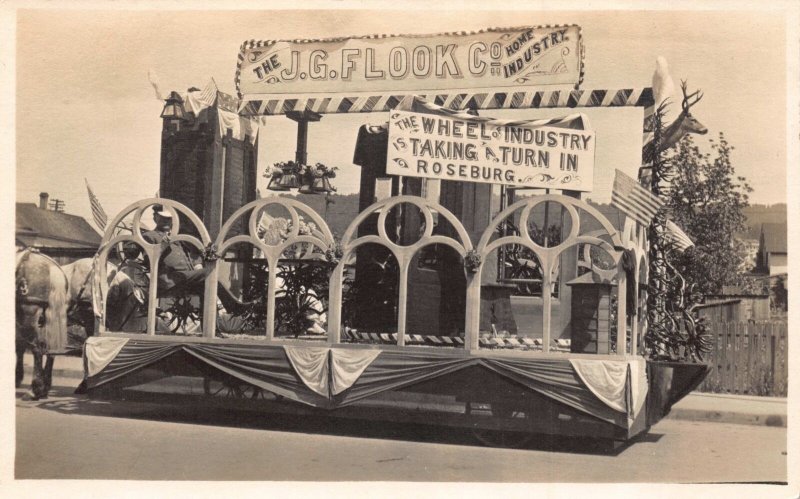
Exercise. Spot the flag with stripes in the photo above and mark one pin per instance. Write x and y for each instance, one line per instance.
(677, 236)
(209, 94)
(196, 100)
(100, 217)
(633, 199)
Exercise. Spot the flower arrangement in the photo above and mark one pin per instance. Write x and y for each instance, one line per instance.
(334, 253)
(472, 261)
(321, 170)
(286, 175)
(210, 253)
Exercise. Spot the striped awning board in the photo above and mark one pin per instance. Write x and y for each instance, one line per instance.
(416, 104)
(518, 343)
(524, 99)
(461, 101)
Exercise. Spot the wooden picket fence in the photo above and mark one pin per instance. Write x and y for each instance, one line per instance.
(748, 359)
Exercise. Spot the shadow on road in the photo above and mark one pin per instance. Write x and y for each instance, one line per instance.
(216, 411)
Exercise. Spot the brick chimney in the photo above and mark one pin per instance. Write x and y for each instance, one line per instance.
(43, 198)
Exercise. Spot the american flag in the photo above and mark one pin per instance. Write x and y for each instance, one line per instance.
(677, 236)
(196, 100)
(209, 94)
(100, 217)
(633, 199)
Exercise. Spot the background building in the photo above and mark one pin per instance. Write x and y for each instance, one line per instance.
(59, 235)
(771, 258)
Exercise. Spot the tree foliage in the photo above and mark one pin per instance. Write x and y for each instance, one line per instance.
(706, 198)
(779, 295)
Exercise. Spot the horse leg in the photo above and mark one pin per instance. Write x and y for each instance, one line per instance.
(48, 374)
(20, 370)
(37, 384)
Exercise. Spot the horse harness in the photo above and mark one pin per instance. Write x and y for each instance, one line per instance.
(137, 285)
(80, 303)
(22, 287)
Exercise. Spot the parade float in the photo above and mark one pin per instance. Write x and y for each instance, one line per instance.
(476, 288)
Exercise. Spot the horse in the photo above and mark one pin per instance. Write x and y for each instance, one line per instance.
(81, 307)
(50, 297)
(125, 296)
(42, 295)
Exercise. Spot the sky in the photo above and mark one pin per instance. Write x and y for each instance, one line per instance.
(85, 107)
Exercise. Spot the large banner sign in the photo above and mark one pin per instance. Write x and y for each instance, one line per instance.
(495, 58)
(490, 151)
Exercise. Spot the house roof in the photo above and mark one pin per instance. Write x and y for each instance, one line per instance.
(775, 235)
(48, 228)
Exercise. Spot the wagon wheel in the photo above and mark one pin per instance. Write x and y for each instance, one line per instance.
(524, 271)
(502, 438)
(179, 313)
(231, 388)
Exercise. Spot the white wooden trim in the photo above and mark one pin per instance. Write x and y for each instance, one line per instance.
(323, 239)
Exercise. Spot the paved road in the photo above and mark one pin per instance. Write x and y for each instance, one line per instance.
(71, 436)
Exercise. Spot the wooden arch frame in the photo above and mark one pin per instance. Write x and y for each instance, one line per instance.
(322, 239)
(403, 254)
(153, 254)
(548, 258)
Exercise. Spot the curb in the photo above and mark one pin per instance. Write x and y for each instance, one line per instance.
(730, 417)
(764, 418)
(731, 396)
(57, 373)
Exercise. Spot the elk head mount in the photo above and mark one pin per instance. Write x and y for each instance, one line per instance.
(685, 123)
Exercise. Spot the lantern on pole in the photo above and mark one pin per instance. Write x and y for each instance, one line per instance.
(173, 110)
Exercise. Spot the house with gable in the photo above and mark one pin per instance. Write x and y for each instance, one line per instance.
(771, 258)
(61, 236)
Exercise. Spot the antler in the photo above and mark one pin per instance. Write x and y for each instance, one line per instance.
(686, 98)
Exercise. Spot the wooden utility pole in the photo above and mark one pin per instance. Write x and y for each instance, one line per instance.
(302, 118)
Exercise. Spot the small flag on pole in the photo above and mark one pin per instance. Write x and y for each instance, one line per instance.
(677, 236)
(100, 217)
(209, 94)
(633, 199)
(196, 100)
